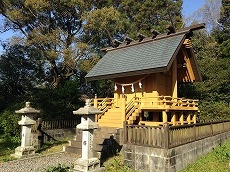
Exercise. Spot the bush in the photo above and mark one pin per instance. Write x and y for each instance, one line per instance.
(9, 124)
(116, 164)
(59, 168)
(213, 111)
(58, 103)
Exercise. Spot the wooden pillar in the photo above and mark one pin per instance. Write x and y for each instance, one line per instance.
(189, 118)
(95, 105)
(155, 98)
(95, 101)
(194, 118)
(164, 116)
(123, 102)
(173, 120)
(181, 118)
(174, 78)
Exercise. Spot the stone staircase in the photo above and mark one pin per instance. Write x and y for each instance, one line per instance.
(106, 143)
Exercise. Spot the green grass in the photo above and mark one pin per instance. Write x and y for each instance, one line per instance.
(116, 164)
(51, 147)
(218, 160)
(6, 148)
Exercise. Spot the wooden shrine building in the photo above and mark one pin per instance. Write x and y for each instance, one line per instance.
(146, 73)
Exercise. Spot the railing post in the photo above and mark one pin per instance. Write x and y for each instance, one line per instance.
(164, 116)
(189, 118)
(173, 120)
(95, 105)
(166, 135)
(181, 118)
(123, 102)
(194, 118)
(40, 134)
(125, 131)
(95, 101)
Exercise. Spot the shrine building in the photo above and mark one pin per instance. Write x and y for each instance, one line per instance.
(146, 73)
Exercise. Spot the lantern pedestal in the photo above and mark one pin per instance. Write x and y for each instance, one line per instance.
(87, 163)
(26, 149)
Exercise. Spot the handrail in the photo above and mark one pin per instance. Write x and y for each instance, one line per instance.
(173, 101)
(104, 106)
(131, 107)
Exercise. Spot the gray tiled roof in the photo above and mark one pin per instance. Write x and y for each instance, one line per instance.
(137, 59)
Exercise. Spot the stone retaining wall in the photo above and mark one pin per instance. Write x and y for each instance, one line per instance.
(149, 159)
(56, 134)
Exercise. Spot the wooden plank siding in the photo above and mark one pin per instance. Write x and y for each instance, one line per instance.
(171, 136)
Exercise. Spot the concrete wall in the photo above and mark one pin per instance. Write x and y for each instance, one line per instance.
(149, 159)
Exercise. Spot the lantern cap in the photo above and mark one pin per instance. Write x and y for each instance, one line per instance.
(87, 109)
(28, 109)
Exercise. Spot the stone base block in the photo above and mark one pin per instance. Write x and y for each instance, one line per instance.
(24, 151)
(88, 165)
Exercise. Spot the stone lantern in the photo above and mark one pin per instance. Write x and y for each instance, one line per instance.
(26, 149)
(87, 163)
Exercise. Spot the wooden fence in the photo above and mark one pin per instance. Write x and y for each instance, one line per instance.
(171, 136)
(56, 124)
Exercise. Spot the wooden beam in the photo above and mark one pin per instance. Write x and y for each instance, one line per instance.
(188, 65)
(174, 78)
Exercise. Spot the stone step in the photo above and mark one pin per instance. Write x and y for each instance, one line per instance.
(109, 130)
(75, 143)
(72, 149)
(102, 135)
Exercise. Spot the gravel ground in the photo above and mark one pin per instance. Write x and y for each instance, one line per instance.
(39, 163)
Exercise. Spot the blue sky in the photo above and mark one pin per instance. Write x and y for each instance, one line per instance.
(189, 6)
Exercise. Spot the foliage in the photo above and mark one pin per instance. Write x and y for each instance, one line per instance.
(222, 32)
(116, 164)
(217, 160)
(9, 124)
(68, 32)
(58, 103)
(213, 111)
(59, 168)
(54, 28)
(7, 147)
(21, 70)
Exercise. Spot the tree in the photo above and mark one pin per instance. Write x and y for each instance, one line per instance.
(130, 17)
(54, 27)
(222, 32)
(65, 31)
(21, 69)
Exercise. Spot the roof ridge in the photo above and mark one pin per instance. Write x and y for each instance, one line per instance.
(185, 30)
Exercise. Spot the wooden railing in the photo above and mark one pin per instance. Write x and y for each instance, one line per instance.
(171, 136)
(168, 100)
(131, 107)
(56, 124)
(145, 135)
(103, 104)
